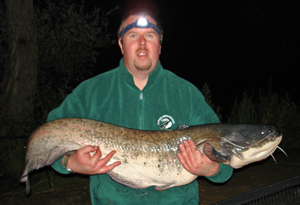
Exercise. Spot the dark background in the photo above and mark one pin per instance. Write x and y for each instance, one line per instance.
(233, 46)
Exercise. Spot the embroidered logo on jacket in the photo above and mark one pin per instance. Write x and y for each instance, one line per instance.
(165, 122)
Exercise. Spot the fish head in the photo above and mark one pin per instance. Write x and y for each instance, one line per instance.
(248, 143)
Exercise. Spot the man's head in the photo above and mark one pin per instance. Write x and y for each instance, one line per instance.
(140, 44)
(140, 13)
(140, 23)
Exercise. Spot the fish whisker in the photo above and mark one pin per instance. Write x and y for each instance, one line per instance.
(226, 140)
(274, 158)
(282, 151)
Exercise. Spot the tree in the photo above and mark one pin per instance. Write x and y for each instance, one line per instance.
(69, 38)
(20, 76)
(68, 42)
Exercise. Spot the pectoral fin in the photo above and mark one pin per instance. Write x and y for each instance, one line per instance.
(213, 154)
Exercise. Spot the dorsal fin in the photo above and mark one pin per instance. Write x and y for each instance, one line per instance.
(180, 127)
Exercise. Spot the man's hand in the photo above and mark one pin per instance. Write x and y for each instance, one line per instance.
(195, 162)
(82, 162)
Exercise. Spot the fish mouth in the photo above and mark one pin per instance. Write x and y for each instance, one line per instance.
(255, 151)
(238, 156)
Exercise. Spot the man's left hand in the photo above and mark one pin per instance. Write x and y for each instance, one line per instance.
(195, 162)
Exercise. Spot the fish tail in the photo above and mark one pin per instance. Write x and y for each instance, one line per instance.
(26, 179)
(27, 186)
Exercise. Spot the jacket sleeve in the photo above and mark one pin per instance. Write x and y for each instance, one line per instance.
(70, 107)
(223, 174)
(204, 115)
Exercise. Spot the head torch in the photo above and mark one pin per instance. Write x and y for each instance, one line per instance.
(140, 23)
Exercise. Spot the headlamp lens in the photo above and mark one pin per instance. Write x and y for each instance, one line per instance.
(140, 23)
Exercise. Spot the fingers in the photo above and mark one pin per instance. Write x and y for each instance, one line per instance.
(95, 158)
(195, 154)
(190, 157)
(105, 160)
(182, 160)
(190, 153)
(82, 161)
(194, 161)
(183, 157)
(102, 166)
(87, 149)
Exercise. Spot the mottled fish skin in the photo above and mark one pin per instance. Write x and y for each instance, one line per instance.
(148, 158)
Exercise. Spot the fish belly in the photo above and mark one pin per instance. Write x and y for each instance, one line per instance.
(141, 170)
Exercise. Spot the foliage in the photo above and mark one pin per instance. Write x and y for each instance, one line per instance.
(208, 98)
(12, 152)
(3, 40)
(68, 39)
(272, 109)
(243, 111)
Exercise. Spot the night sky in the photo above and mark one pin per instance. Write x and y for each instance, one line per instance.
(231, 45)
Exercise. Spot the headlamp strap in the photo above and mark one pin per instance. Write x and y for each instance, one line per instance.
(140, 23)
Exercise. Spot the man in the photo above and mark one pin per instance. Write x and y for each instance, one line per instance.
(139, 94)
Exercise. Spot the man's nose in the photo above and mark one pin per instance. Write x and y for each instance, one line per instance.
(142, 41)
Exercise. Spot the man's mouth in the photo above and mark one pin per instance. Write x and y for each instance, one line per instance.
(142, 53)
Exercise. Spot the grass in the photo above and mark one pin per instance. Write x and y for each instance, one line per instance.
(12, 156)
(272, 109)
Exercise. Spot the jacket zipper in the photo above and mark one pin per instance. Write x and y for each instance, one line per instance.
(141, 110)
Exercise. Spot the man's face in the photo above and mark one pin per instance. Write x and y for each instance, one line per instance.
(140, 46)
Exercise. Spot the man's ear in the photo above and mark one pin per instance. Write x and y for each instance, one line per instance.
(160, 45)
(121, 45)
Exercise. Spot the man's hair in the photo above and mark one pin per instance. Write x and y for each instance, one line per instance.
(142, 12)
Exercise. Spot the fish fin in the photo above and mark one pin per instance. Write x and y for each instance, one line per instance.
(27, 186)
(213, 154)
(26, 179)
(70, 152)
(161, 188)
(125, 181)
(180, 127)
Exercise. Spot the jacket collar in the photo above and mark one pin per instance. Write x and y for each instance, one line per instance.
(153, 78)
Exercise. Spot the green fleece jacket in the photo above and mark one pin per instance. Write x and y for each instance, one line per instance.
(167, 100)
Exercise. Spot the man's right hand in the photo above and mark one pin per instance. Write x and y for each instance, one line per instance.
(82, 162)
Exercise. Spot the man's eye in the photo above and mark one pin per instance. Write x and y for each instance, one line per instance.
(149, 35)
(132, 35)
